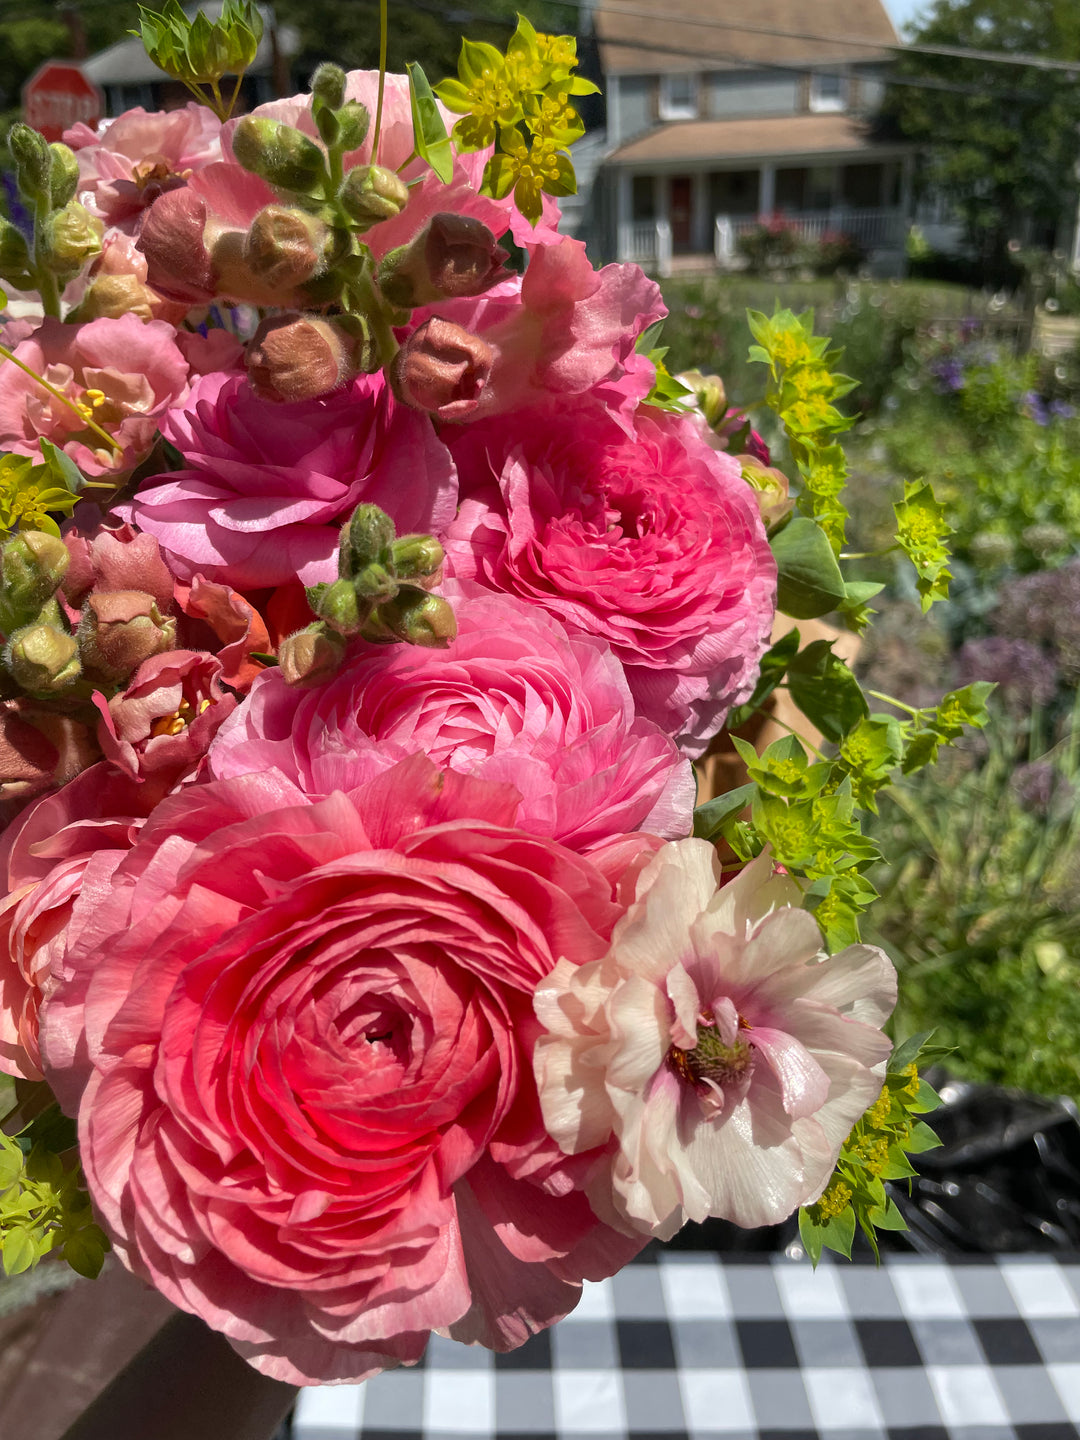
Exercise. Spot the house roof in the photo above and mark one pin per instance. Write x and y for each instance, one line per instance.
(780, 135)
(635, 34)
(127, 63)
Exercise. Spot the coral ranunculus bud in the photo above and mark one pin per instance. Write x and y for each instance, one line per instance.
(454, 257)
(310, 656)
(42, 658)
(442, 368)
(120, 629)
(297, 357)
(371, 193)
(280, 154)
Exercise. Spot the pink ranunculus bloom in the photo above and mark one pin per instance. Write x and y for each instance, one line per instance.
(724, 1053)
(268, 484)
(140, 155)
(309, 1114)
(651, 540)
(45, 854)
(564, 329)
(160, 726)
(514, 698)
(124, 373)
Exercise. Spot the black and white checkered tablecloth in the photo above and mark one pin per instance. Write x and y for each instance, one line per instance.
(686, 1346)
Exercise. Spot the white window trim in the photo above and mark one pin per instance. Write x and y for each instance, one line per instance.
(828, 104)
(675, 109)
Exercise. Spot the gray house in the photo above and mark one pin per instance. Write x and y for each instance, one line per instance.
(724, 113)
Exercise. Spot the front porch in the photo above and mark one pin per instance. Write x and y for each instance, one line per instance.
(700, 211)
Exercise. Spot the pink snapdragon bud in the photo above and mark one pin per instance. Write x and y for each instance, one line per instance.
(172, 238)
(442, 368)
(119, 559)
(285, 247)
(310, 656)
(297, 357)
(42, 658)
(120, 629)
(454, 257)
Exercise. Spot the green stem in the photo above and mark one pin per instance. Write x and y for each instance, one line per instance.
(384, 26)
(867, 554)
(800, 737)
(897, 704)
(235, 95)
(218, 106)
(48, 287)
(405, 163)
(64, 399)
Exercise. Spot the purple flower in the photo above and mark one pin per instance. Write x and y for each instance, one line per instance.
(1024, 674)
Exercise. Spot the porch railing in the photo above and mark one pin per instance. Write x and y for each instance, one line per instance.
(647, 243)
(873, 229)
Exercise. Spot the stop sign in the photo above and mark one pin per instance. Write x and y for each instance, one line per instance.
(59, 95)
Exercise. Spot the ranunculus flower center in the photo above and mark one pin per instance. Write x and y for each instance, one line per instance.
(713, 1060)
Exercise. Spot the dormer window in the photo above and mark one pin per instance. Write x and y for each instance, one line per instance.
(678, 97)
(828, 91)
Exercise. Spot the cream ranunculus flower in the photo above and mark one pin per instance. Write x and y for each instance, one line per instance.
(715, 1052)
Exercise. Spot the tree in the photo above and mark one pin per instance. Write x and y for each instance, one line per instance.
(1004, 144)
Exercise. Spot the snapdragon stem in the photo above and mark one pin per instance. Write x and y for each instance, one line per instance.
(384, 26)
(64, 399)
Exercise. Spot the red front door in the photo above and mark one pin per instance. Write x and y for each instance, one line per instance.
(681, 211)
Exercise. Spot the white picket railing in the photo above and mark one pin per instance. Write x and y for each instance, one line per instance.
(647, 243)
(873, 229)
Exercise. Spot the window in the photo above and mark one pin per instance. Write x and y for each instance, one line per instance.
(678, 97)
(828, 91)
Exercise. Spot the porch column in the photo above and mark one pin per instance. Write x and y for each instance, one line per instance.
(767, 191)
(701, 219)
(623, 210)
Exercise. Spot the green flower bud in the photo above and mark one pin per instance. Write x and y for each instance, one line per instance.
(281, 155)
(367, 538)
(371, 193)
(33, 160)
(341, 607)
(374, 583)
(419, 619)
(353, 120)
(32, 564)
(416, 556)
(64, 175)
(328, 84)
(310, 656)
(42, 658)
(70, 238)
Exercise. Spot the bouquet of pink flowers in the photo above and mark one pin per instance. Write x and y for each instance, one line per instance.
(355, 902)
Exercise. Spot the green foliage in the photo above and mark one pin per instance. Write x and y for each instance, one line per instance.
(43, 1203)
(1002, 144)
(519, 102)
(980, 908)
(29, 491)
(921, 528)
(429, 132)
(200, 52)
(874, 1152)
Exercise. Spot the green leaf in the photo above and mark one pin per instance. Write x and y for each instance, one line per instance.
(429, 132)
(11, 1164)
(889, 1218)
(63, 467)
(921, 528)
(907, 1053)
(709, 818)
(19, 1250)
(922, 1138)
(84, 1251)
(809, 582)
(811, 1236)
(826, 691)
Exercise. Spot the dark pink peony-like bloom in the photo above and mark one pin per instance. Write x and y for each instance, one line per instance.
(266, 482)
(309, 1114)
(125, 373)
(514, 698)
(651, 541)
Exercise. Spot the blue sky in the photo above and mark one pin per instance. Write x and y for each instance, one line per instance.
(903, 10)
